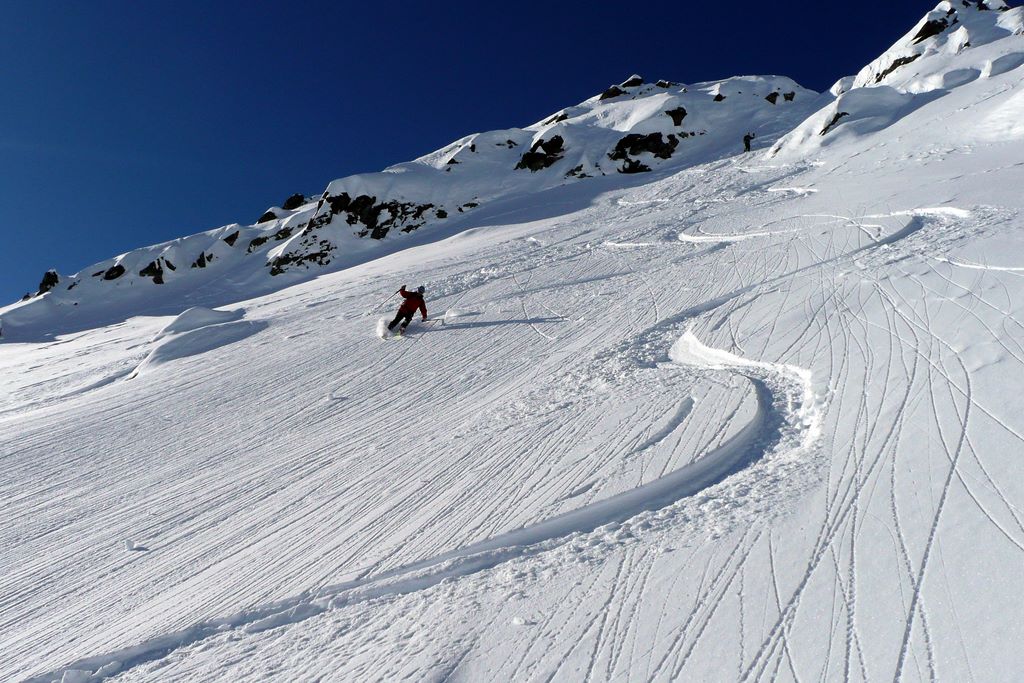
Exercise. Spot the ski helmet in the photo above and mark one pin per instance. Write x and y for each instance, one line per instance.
(421, 289)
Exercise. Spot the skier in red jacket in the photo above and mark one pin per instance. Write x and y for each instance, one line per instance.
(413, 301)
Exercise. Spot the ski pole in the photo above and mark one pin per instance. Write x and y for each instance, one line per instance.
(377, 307)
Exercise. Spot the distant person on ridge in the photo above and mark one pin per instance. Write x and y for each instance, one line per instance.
(413, 301)
(746, 141)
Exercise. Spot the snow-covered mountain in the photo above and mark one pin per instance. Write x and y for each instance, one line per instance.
(631, 128)
(737, 417)
(952, 46)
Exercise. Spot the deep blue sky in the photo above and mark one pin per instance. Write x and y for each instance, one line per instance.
(128, 123)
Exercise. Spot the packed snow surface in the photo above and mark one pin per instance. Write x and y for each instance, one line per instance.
(752, 418)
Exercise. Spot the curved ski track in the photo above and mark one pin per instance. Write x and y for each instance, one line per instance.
(576, 470)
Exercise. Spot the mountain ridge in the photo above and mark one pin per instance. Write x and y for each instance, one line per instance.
(633, 127)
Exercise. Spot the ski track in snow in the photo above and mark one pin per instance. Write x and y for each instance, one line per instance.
(751, 459)
(789, 407)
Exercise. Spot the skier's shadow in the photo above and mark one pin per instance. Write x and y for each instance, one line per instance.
(460, 325)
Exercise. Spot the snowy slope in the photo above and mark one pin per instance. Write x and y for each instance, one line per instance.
(752, 418)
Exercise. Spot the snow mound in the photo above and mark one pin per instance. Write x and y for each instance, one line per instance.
(196, 317)
(198, 332)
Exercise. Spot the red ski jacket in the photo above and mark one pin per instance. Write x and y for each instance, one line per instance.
(413, 300)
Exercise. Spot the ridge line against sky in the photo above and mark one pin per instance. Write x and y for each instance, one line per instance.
(126, 125)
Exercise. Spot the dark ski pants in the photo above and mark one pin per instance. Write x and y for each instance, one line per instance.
(408, 319)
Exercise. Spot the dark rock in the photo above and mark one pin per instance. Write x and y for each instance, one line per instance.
(635, 143)
(49, 281)
(902, 61)
(452, 161)
(471, 205)
(789, 96)
(339, 203)
(268, 216)
(113, 272)
(282, 234)
(633, 166)
(550, 152)
(472, 147)
(719, 97)
(26, 297)
(662, 83)
(557, 118)
(932, 27)
(200, 262)
(772, 97)
(677, 114)
(378, 218)
(293, 202)
(318, 253)
(510, 144)
(72, 285)
(632, 81)
(577, 172)
(256, 243)
(372, 218)
(835, 120)
(230, 239)
(614, 91)
(154, 270)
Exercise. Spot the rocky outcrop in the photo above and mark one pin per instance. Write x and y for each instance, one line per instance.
(50, 280)
(293, 202)
(232, 238)
(772, 97)
(677, 114)
(557, 118)
(370, 217)
(631, 82)
(543, 153)
(112, 273)
(267, 217)
(789, 96)
(933, 27)
(835, 120)
(577, 172)
(612, 92)
(634, 166)
(256, 243)
(635, 144)
(155, 270)
(202, 260)
(315, 251)
(376, 218)
(719, 97)
(897, 63)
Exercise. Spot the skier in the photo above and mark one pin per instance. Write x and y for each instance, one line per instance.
(413, 301)
(746, 141)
